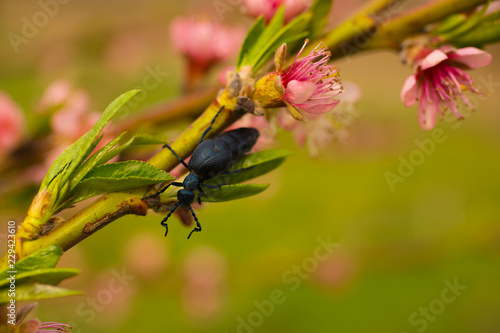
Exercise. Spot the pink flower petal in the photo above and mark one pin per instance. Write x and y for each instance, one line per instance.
(427, 114)
(299, 91)
(471, 57)
(432, 59)
(409, 91)
(318, 106)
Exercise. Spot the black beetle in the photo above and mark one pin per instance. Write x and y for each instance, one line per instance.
(212, 157)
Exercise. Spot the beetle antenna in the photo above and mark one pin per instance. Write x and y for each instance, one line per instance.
(198, 225)
(210, 127)
(173, 152)
(164, 221)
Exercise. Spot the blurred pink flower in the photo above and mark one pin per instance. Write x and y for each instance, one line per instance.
(493, 7)
(268, 8)
(71, 119)
(440, 79)
(112, 292)
(205, 271)
(309, 84)
(203, 42)
(55, 96)
(12, 124)
(337, 272)
(147, 255)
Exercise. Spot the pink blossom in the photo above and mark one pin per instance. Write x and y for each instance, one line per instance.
(204, 280)
(70, 121)
(205, 42)
(12, 124)
(268, 8)
(147, 256)
(55, 95)
(310, 84)
(440, 79)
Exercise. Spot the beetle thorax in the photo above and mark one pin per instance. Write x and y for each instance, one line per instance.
(191, 182)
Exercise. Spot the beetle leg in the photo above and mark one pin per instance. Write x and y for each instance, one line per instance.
(239, 170)
(198, 225)
(214, 186)
(200, 194)
(164, 221)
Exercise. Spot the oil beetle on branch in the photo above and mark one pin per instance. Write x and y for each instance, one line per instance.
(212, 157)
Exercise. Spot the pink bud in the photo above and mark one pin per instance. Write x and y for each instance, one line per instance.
(12, 124)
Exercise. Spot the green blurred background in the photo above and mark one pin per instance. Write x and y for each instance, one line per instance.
(396, 249)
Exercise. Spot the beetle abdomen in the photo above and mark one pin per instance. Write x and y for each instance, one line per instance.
(216, 155)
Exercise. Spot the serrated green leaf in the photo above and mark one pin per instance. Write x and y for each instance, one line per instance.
(35, 291)
(42, 259)
(251, 166)
(251, 39)
(72, 157)
(232, 192)
(96, 159)
(137, 140)
(107, 152)
(51, 276)
(320, 10)
(118, 176)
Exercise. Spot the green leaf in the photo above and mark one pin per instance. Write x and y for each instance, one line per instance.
(118, 177)
(96, 159)
(232, 192)
(487, 33)
(472, 21)
(320, 10)
(34, 291)
(44, 258)
(261, 46)
(291, 32)
(107, 152)
(137, 140)
(251, 39)
(71, 158)
(492, 17)
(51, 276)
(450, 23)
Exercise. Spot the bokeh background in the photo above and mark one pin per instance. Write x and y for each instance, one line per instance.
(396, 249)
